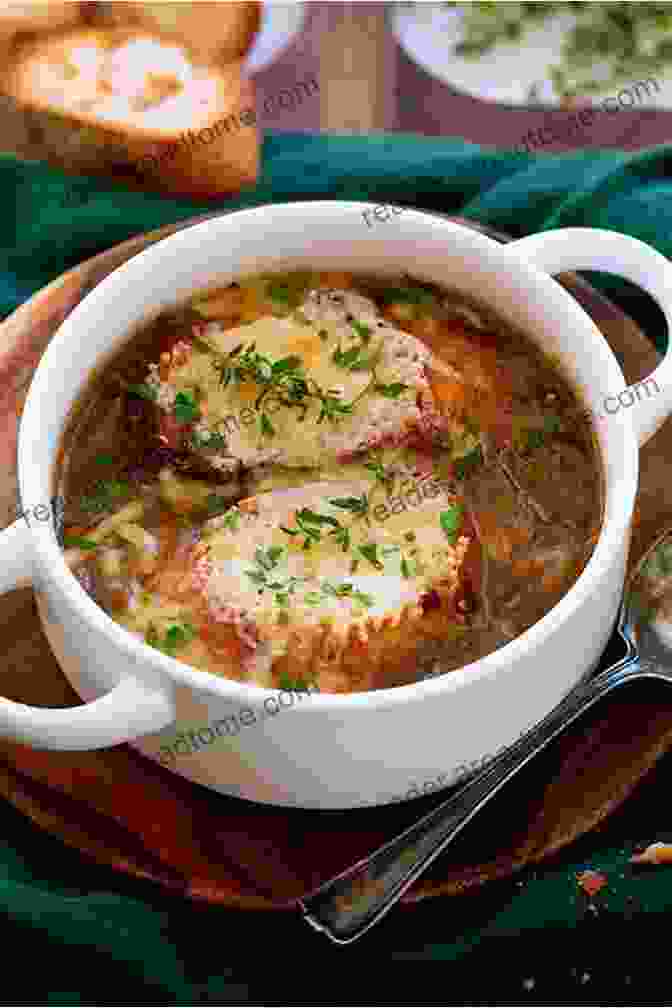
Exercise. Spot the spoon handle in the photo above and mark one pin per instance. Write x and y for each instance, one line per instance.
(352, 902)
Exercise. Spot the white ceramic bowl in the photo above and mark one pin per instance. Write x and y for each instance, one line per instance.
(327, 751)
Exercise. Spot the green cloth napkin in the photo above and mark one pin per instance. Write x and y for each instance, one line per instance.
(100, 938)
(51, 222)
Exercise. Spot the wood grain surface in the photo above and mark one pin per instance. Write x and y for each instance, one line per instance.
(125, 811)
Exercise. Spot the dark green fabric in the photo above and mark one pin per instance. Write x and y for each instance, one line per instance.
(46, 227)
(103, 939)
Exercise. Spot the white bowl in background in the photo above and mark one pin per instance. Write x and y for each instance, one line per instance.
(280, 24)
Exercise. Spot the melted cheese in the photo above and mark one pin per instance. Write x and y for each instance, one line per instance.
(232, 411)
(409, 566)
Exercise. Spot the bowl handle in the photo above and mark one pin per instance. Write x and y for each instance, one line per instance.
(597, 249)
(130, 709)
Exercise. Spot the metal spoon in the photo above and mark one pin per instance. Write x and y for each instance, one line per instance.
(345, 907)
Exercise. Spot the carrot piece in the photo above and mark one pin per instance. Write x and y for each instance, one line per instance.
(334, 278)
(74, 530)
(450, 392)
(249, 504)
(522, 566)
(552, 582)
(165, 361)
(118, 598)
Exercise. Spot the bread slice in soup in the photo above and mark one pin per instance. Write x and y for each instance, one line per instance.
(330, 381)
(329, 585)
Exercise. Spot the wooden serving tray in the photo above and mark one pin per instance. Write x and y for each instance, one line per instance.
(127, 812)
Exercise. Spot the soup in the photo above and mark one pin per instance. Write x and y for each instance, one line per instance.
(335, 481)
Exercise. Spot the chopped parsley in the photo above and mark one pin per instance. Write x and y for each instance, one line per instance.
(81, 542)
(450, 520)
(408, 295)
(552, 424)
(144, 391)
(531, 438)
(216, 504)
(331, 407)
(347, 590)
(310, 524)
(313, 598)
(266, 576)
(278, 291)
(185, 408)
(409, 566)
(106, 492)
(208, 439)
(287, 683)
(467, 464)
(356, 505)
(362, 330)
(265, 425)
(378, 470)
(370, 552)
(177, 636)
(392, 391)
(351, 360)
(104, 460)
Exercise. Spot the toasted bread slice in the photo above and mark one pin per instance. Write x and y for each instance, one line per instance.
(125, 103)
(216, 32)
(317, 586)
(349, 383)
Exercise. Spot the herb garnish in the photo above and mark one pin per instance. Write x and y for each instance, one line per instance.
(209, 439)
(106, 492)
(285, 377)
(81, 542)
(265, 425)
(392, 391)
(347, 590)
(531, 438)
(149, 392)
(185, 408)
(362, 330)
(313, 598)
(216, 504)
(466, 465)
(378, 469)
(351, 360)
(408, 295)
(309, 524)
(409, 566)
(265, 575)
(287, 683)
(289, 383)
(278, 291)
(177, 636)
(370, 552)
(357, 505)
(450, 520)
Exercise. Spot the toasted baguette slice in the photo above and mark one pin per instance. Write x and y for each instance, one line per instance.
(385, 401)
(217, 32)
(278, 611)
(88, 104)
